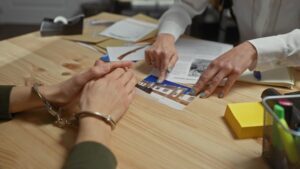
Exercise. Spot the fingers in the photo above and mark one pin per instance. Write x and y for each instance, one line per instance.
(229, 83)
(121, 64)
(126, 77)
(206, 77)
(148, 56)
(165, 64)
(131, 95)
(115, 74)
(215, 82)
(173, 61)
(130, 86)
(163, 69)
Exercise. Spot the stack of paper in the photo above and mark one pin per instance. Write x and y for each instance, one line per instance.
(131, 30)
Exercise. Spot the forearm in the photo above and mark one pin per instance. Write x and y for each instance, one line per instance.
(95, 130)
(278, 51)
(179, 16)
(91, 150)
(22, 98)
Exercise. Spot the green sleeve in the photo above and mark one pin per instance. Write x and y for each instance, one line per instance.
(90, 155)
(4, 102)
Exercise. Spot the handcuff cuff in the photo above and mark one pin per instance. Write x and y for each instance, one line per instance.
(72, 122)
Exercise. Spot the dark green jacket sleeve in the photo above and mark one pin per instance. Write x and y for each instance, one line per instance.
(90, 155)
(4, 102)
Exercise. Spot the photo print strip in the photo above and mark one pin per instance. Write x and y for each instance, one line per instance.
(171, 94)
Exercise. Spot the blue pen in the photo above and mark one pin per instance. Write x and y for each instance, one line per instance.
(257, 75)
(105, 58)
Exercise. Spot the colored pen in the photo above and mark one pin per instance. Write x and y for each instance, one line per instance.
(288, 109)
(105, 58)
(257, 75)
(286, 138)
(102, 22)
(131, 51)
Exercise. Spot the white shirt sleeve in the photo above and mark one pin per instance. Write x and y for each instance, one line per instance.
(180, 15)
(278, 51)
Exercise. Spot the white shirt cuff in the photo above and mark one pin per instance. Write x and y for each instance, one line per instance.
(270, 50)
(169, 27)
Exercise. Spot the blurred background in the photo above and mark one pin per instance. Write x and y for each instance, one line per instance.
(18, 17)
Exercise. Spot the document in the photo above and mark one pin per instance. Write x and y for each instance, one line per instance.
(131, 30)
(168, 93)
(127, 53)
(194, 57)
(281, 77)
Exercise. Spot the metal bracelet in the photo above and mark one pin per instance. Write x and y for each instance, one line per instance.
(55, 112)
(107, 118)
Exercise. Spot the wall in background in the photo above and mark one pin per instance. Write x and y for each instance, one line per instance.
(33, 11)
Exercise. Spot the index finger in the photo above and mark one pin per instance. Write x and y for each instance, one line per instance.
(206, 76)
(116, 74)
(120, 64)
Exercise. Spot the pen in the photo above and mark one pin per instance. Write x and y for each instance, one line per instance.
(288, 109)
(132, 51)
(257, 75)
(286, 138)
(105, 58)
(101, 22)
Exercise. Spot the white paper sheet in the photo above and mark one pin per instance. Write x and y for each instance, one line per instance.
(131, 30)
(194, 57)
(115, 52)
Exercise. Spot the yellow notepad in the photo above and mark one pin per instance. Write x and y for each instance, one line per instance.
(245, 119)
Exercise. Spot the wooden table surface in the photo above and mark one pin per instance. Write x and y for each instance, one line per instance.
(150, 136)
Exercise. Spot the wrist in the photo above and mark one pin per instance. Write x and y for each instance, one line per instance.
(166, 37)
(252, 53)
(94, 122)
(93, 129)
(52, 94)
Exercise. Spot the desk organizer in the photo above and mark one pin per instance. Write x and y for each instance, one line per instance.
(281, 144)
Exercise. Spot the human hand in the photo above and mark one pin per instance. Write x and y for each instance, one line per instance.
(66, 91)
(162, 54)
(229, 65)
(111, 94)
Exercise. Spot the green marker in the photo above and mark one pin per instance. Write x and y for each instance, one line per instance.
(287, 139)
(276, 141)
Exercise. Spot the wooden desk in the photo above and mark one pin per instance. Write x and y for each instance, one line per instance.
(150, 136)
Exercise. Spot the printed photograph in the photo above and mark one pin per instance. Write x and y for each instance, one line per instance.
(197, 67)
(173, 91)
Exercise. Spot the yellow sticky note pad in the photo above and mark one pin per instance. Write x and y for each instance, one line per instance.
(245, 119)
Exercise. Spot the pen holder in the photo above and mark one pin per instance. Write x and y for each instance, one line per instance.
(281, 143)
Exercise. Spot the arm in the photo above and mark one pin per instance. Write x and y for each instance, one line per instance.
(278, 51)
(162, 54)
(260, 54)
(179, 16)
(19, 99)
(114, 84)
(94, 135)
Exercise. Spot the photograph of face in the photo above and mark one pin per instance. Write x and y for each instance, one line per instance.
(198, 66)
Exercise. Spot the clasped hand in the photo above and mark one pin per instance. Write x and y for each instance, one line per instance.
(105, 87)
